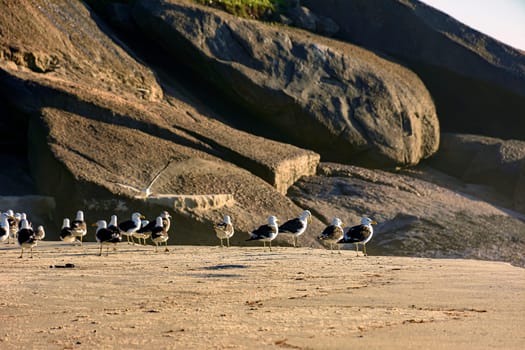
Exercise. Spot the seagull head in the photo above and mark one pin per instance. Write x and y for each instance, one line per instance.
(272, 220)
(368, 221)
(137, 216)
(227, 220)
(306, 215)
(337, 222)
(100, 224)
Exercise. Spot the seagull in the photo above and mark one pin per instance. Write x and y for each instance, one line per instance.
(66, 233)
(79, 227)
(22, 216)
(360, 234)
(144, 231)
(4, 228)
(224, 230)
(159, 234)
(266, 233)
(13, 225)
(146, 191)
(40, 233)
(147, 227)
(332, 233)
(26, 237)
(297, 226)
(128, 227)
(113, 223)
(106, 236)
(166, 220)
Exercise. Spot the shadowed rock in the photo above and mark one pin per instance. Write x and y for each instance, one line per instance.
(484, 160)
(471, 76)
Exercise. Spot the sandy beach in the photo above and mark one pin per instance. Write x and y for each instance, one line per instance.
(202, 297)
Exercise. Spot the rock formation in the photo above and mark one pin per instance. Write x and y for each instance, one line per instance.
(98, 125)
(344, 102)
(416, 217)
(471, 76)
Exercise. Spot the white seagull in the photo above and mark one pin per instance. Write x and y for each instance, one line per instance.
(79, 227)
(224, 230)
(159, 234)
(266, 233)
(4, 228)
(332, 233)
(106, 236)
(26, 238)
(360, 234)
(297, 226)
(129, 227)
(66, 233)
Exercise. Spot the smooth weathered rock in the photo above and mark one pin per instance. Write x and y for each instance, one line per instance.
(471, 76)
(416, 217)
(89, 176)
(481, 160)
(342, 101)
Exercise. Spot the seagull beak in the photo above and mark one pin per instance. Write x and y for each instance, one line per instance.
(95, 224)
(142, 217)
(374, 222)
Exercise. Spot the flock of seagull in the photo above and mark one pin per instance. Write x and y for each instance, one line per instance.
(332, 234)
(16, 227)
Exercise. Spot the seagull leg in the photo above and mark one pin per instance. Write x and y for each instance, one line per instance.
(364, 249)
(228, 242)
(31, 253)
(21, 253)
(357, 249)
(156, 247)
(166, 245)
(222, 245)
(107, 251)
(100, 253)
(270, 245)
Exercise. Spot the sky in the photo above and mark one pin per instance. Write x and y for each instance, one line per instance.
(501, 19)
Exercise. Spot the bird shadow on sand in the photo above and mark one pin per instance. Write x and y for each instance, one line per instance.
(225, 267)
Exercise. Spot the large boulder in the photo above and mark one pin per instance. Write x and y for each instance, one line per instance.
(471, 76)
(416, 217)
(344, 102)
(483, 160)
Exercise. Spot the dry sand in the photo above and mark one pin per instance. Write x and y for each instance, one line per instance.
(201, 297)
